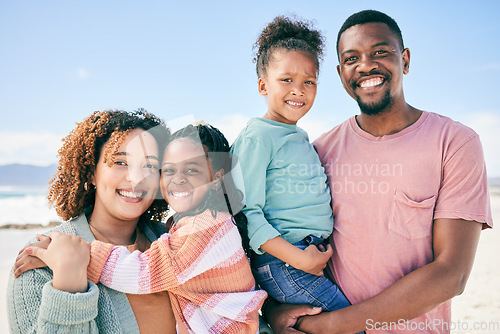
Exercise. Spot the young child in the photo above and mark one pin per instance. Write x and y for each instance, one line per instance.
(200, 261)
(286, 195)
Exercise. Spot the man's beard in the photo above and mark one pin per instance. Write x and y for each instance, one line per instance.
(375, 108)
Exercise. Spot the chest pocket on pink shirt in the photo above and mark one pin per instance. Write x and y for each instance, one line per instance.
(411, 219)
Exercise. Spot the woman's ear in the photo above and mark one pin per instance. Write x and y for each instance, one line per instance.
(90, 184)
(92, 180)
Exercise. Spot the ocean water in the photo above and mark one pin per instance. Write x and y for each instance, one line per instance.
(25, 205)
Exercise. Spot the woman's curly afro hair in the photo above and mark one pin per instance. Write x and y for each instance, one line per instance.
(71, 190)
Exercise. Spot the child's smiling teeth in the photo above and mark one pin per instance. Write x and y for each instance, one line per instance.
(131, 194)
(180, 194)
(295, 104)
(371, 82)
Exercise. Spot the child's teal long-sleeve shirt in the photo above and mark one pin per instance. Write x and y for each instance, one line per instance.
(286, 193)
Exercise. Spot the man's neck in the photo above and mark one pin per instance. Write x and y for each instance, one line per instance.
(389, 121)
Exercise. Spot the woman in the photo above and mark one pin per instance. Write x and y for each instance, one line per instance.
(105, 189)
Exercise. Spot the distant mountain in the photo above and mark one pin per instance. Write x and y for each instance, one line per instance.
(26, 175)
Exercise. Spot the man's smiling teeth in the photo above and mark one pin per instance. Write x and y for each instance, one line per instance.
(131, 194)
(296, 104)
(371, 82)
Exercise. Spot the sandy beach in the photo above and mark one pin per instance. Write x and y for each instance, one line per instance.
(477, 310)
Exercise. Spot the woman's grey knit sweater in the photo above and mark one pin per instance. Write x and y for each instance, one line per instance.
(34, 306)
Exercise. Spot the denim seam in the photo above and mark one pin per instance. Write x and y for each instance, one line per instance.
(304, 291)
(270, 277)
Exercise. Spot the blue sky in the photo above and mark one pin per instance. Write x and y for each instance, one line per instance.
(61, 60)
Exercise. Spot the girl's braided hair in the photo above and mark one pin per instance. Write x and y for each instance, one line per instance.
(290, 34)
(217, 149)
(71, 190)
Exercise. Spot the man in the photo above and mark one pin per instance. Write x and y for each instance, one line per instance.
(409, 193)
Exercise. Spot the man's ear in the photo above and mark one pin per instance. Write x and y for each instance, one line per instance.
(406, 61)
(262, 86)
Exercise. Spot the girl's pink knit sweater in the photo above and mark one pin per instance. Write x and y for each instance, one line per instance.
(202, 265)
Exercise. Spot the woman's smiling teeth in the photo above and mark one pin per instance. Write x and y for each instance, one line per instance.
(131, 194)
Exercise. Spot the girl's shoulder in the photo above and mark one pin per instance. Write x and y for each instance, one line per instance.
(265, 135)
(255, 129)
(265, 127)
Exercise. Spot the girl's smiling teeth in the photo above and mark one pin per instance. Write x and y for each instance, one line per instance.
(295, 104)
(180, 194)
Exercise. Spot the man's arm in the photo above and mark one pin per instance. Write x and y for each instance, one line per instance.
(454, 244)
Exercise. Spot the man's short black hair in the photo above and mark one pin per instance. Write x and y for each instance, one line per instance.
(368, 16)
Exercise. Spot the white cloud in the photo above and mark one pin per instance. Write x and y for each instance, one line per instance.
(315, 126)
(180, 122)
(29, 147)
(489, 67)
(231, 125)
(487, 125)
(82, 73)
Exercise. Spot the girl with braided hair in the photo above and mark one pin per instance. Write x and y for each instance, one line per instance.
(287, 199)
(200, 261)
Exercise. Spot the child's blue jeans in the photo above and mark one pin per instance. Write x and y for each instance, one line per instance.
(289, 285)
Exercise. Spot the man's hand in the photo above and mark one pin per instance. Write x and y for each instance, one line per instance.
(283, 317)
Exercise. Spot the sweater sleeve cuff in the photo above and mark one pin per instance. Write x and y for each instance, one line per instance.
(99, 254)
(65, 308)
(261, 236)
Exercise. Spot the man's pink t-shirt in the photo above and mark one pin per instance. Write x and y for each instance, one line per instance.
(386, 192)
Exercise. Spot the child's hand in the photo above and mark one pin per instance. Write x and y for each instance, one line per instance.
(68, 256)
(25, 262)
(313, 260)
